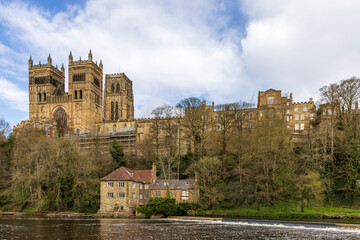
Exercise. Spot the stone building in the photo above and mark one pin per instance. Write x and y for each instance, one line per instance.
(182, 190)
(88, 111)
(124, 189)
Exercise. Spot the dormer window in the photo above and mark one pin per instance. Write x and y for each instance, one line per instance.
(130, 173)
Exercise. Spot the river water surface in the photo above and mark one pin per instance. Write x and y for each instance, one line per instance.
(56, 228)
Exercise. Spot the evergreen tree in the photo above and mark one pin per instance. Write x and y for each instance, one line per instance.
(117, 154)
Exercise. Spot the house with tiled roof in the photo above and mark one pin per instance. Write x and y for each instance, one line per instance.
(180, 189)
(124, 189)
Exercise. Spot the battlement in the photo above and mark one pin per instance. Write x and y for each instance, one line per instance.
(115, 75)
(83, 62)
(303, 103)
(153, 118)
(46, 65)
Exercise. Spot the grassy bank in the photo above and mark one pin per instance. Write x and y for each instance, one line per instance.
(284, 211)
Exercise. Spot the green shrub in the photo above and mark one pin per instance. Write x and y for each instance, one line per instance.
(166, 206)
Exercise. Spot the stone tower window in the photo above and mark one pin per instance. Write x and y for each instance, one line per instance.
(112, 88)
(118, 87)
(79, 77)
(44, 96)
(39, 97)
(114, 128)
(80, 94)
(75, 94)
(116, 111)
(112, 110)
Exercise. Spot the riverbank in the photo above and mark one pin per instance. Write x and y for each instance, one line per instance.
(47, 214)
(284, 211)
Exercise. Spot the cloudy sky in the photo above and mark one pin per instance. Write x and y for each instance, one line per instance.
(221, 51)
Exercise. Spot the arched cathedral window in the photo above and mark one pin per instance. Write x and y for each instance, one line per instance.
(44, 96)
(116, 111)
(118, 87)
(39, 97)
(112, 88)
(80, 94)
(75, 94)
(112, 110)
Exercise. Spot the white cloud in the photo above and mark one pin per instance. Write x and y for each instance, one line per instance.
(171, 49)
(145, 111)
(300, 46)
(13, 96)
(178, 49)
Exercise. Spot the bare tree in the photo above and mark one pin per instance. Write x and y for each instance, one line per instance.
(226, 121)
(349, 92)
(197, 119)
(4, 128)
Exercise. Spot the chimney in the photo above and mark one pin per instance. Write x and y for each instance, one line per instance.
(153, 171)
(356, 105)
(204, 102)
(213, 106)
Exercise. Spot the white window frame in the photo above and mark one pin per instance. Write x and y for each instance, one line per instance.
(296, 126)
(110, 195)
(302, 126)
(121, 184)
(270, 99)
(296, 116)
(121, 194)
(302, 117)
(110, 184)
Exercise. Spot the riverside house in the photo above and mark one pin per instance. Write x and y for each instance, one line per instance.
(124, 189)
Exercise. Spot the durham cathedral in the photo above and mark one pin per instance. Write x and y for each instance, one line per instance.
(90, 109)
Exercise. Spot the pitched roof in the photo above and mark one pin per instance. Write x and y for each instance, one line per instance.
(175, 184)
(124, 173)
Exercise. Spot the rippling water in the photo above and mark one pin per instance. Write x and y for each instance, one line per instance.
(54, 228)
